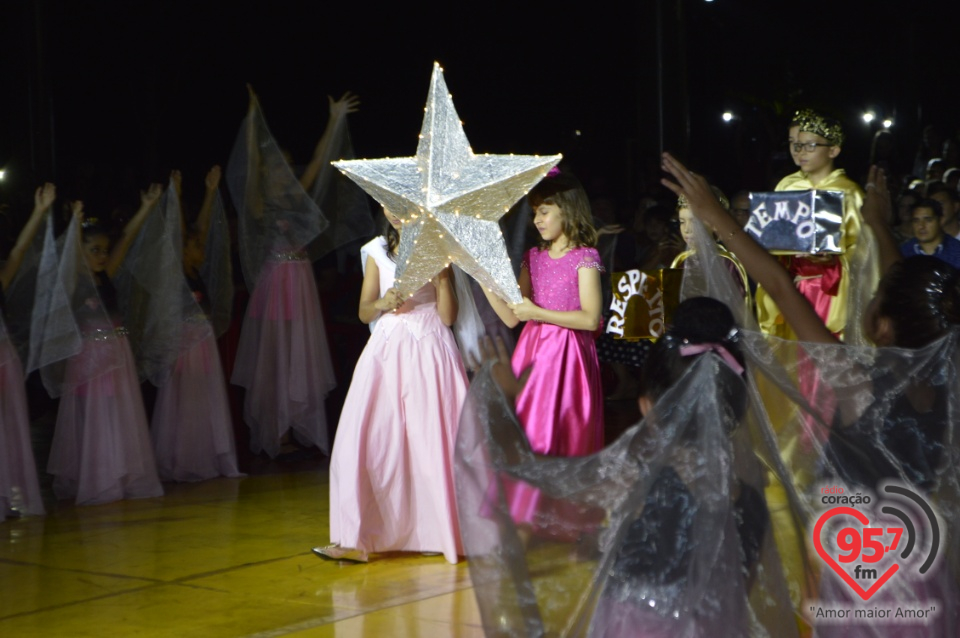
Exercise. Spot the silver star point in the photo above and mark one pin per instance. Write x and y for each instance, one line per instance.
(442, 180)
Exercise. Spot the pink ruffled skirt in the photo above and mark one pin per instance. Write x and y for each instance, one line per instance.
(101, 448)
(19, 487)
(283, 359)
(192, 431)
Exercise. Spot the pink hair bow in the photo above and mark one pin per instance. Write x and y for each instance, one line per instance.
(691, 349)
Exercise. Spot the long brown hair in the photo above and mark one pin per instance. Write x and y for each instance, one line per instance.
(393, 238)
(565, 191)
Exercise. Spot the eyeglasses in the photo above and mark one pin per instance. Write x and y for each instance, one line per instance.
(806, 146)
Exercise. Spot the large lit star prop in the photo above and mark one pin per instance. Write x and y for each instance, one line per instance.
(450, 199)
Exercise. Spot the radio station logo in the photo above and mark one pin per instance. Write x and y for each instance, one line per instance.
(868, 543)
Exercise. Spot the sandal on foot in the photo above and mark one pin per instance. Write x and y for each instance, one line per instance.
(337, 553)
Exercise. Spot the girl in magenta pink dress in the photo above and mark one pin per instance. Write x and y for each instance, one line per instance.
(561, 405)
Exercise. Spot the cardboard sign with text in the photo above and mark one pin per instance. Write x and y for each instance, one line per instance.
(797, 222)
(643, 302)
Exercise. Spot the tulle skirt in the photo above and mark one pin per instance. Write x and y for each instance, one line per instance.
(391, 473)
(191, 429)
(19, 487)
(283, 359)
(101, 446)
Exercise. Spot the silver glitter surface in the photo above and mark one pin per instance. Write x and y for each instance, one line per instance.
(450, 199)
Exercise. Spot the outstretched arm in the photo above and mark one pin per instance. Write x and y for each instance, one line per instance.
(876, 213)
(148, 201)
(43, 199)
(253, 205)
(339, 109)
(760, 265)
(501, 307)
(212, 182)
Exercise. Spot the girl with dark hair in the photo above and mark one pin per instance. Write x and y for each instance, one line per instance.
(391, 471)
(283, 359)
(561, 406)
(683, 548)
(101, 448)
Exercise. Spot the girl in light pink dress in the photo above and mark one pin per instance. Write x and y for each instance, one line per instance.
(283, 359)
(561, 405)
(191, 428)
(19, 486)
(101, 448)
(391, 471)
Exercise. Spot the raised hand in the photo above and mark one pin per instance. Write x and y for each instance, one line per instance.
(151, 195)
(877, 206)
(348, 103)
(44, 197)
(212, 180)
(703, 203)
(177, 180)
(76, 208)
(877, 211)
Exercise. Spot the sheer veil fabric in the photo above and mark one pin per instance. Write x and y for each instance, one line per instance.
(283, 359)
(689, 481)
(683, 546)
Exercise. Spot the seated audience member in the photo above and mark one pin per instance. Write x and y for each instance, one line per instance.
(929, 238)
(950, 202)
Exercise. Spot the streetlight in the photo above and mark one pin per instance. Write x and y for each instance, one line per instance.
(727, 115)
(868, 117)
(887, 123)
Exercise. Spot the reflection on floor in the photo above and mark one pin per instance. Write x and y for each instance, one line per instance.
(228, 557)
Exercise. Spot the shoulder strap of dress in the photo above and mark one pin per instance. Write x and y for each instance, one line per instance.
(376, 248)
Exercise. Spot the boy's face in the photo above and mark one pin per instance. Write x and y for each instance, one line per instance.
(792, 136)
(813, 162)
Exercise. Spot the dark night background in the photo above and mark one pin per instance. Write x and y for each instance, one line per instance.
(102, 97)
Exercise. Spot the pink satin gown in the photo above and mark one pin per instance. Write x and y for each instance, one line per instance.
(561, 406)
(391, 472)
